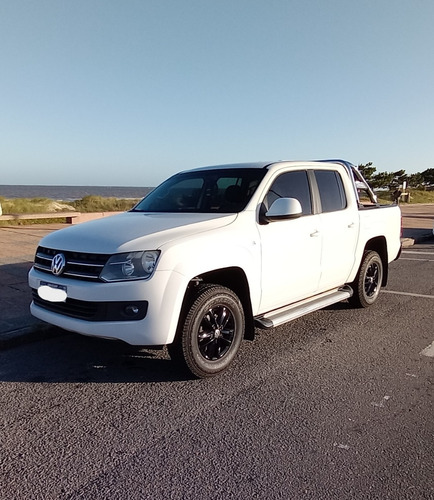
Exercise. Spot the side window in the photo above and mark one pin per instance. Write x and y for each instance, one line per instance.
(291, 185)
(331, 190)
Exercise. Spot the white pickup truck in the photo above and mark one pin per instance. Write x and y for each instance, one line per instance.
(213, 252)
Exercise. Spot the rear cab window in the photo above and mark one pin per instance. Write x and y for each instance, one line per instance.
(331, 191)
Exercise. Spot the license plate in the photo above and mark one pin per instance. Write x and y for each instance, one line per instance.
(52, 292)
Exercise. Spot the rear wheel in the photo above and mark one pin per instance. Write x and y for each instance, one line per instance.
(368, 281)
(212, 331)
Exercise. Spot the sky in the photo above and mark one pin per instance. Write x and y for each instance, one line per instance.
(128, 92)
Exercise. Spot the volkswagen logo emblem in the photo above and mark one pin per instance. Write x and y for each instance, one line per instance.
(58, 264)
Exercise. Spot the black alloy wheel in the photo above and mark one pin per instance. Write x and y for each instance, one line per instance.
(212, 330)
(367, 284)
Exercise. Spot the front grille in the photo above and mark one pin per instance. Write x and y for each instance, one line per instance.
(81, 266)
(71, 307)
(94, 311)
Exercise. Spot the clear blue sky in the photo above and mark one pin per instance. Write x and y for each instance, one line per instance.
(127, 92)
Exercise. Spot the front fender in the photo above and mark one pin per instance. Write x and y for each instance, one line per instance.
(199, 257)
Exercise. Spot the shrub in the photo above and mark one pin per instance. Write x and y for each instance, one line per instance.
(25, 205)
(94, 203)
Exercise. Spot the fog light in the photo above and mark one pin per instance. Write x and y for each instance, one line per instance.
(131, 310)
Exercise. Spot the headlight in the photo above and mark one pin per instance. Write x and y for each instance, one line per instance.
(130, 266)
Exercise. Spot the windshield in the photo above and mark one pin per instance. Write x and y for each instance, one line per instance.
(204, 191)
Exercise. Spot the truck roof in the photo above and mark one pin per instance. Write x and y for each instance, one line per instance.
(264, 164)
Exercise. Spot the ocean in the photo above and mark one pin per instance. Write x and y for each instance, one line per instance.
(71, 193)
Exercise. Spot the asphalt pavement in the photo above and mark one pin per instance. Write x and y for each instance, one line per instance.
(335, 405)
(18, 245)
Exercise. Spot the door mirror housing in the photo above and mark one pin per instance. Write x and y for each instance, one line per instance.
(283, 209)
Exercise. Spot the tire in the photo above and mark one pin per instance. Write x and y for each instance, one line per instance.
(367, 285)
(212, 331)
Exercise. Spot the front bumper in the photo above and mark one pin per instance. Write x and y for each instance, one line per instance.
(94, 309)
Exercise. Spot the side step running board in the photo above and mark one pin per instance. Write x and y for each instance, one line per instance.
(293, 311)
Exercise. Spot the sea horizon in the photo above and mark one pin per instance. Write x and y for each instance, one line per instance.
(70, 193)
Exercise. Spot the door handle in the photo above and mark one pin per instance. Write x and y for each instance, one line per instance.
(351, 225)
(315, 234)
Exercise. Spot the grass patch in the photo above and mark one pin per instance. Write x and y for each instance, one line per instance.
(93, 203)
(421, 196)
(46, 205)
(26, 205)
(87, 204)
(416, 196)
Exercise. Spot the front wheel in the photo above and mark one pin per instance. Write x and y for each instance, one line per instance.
(368, 281)
(212, 330)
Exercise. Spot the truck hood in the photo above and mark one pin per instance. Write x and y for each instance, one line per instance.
(130, 231)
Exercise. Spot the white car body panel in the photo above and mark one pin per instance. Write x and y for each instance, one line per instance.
(129, 231)
(283, 262)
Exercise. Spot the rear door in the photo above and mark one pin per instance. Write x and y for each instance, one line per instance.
(339, 224)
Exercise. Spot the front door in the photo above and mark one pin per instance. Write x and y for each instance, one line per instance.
(291, 249)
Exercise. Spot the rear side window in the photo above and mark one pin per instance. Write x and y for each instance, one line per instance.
(331, 190)
(291, 185)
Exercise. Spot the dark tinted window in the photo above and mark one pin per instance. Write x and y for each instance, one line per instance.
(291, 185)
(204, 191)
(331, 190)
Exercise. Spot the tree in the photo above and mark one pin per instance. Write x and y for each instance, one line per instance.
(382, 180)
(367, 170)
(415, 180)
(399, 177)
(391, 180)
(428, 176)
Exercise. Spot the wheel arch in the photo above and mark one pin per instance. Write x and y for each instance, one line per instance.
(233, 278)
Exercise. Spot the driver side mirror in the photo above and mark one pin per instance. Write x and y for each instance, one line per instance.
(283, 209)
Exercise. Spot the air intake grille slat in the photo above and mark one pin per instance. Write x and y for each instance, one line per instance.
(94, 311)
(71, 307)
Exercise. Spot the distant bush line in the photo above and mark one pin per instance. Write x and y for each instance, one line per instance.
(91, 203)
(392, 180)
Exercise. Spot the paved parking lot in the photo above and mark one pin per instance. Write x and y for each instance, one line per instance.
(416, 282)
(337, 404)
